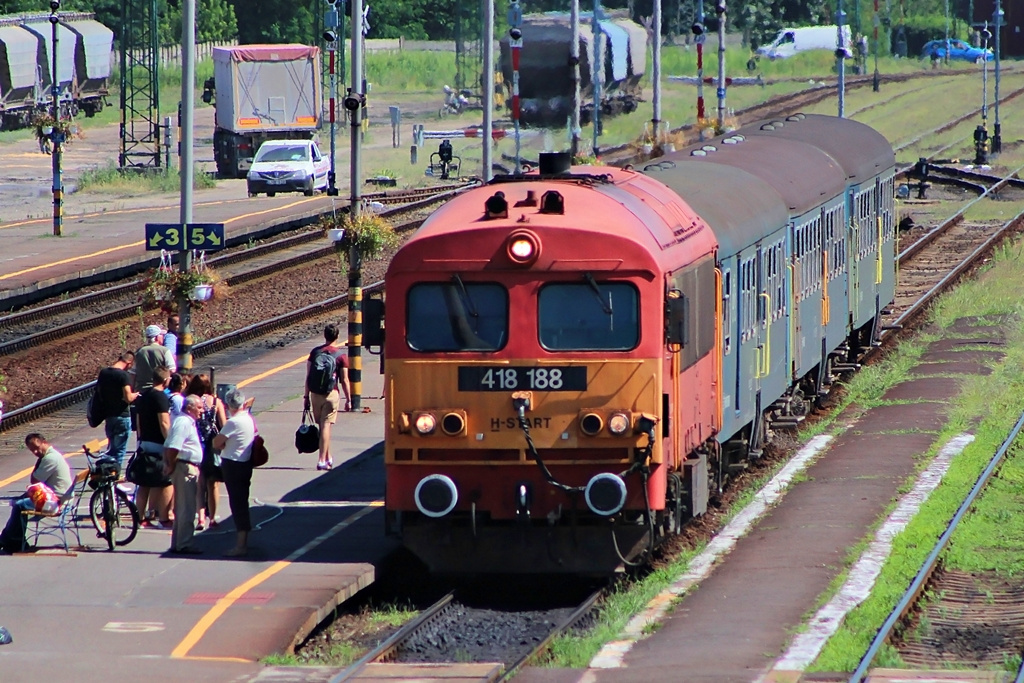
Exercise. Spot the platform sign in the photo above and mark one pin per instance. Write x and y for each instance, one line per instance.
(173, 237)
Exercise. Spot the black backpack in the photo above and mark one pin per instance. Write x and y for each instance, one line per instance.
(322, 377)
(95, 414)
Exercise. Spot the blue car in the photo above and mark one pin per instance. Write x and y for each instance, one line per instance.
(958, 49)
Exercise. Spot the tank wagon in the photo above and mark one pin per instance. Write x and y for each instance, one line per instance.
(26, 66)
(578, 359)
(545, 74)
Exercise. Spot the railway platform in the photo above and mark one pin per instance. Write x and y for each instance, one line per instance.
(140, 612)
(100, 245)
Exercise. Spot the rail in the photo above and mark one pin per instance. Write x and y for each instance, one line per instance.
(917, 585)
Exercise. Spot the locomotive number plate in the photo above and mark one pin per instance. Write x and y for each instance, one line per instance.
(505, 378)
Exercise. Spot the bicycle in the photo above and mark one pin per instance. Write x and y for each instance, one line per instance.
(112, 513)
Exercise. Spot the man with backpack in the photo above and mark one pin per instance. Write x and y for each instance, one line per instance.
(114, 386)
(326, 371)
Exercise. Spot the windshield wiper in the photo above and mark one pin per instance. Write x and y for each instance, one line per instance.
(606, 307)
(465, 296)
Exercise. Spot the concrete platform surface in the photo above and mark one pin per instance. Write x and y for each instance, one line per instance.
(140, 612)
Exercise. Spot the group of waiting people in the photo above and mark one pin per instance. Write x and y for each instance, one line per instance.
(188, 441)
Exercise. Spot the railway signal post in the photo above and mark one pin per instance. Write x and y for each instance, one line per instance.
(720, 10)
(997, 139)
(331, 38)
(56, 135)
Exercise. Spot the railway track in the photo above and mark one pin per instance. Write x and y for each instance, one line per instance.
(957, 606)
(936, 260)
(515, 639)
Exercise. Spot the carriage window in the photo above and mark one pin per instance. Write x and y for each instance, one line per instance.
(457, 316)
(589, 316)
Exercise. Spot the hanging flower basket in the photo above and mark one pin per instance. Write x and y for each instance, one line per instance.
(166, 285)
(369, 233)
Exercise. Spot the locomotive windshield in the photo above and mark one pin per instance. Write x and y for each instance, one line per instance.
(457, 316)
(589, 316)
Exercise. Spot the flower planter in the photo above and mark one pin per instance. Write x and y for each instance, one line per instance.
(336, 234)
(202, 292)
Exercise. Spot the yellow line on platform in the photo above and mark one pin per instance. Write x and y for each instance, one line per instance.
(116, 212)
(72, 259)
(272, 371)
(222, 605)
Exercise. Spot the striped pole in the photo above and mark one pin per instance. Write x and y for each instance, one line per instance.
(699, 26)
(56, 138)
(355, 329)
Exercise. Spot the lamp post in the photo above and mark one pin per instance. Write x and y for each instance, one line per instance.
(997, 19)
(56, 135)
(875, 21)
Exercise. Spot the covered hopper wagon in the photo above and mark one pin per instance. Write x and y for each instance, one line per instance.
(26, 66)
(545, 73)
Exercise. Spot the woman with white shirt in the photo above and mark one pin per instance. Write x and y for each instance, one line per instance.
(235, 444)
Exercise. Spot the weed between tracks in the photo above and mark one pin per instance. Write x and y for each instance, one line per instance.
(111, 179)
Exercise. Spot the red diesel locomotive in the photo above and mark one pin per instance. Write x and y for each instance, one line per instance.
(565, 347)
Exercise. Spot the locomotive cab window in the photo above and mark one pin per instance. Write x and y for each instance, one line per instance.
(589, 316)
(457, 316)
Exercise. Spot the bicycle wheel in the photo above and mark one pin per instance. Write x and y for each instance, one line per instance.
(125, 517)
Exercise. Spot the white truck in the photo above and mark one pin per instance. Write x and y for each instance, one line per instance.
(791, 41)
(263, 92)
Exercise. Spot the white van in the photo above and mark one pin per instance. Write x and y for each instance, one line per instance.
(793, 40)
(288, 166)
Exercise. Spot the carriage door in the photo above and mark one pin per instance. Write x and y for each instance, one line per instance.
(750, 359)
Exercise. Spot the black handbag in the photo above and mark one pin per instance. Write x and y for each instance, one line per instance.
(147, 469)
(307, 436)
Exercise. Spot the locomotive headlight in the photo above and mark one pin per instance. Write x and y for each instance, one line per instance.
(425, 423)
(522, 247)
(618, 423)
(591, 424)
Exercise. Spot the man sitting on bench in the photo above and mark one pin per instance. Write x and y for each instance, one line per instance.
(51, 469)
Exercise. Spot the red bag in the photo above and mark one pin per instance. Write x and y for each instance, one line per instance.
(42, 497)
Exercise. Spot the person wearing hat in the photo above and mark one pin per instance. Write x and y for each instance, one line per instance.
(151, 356)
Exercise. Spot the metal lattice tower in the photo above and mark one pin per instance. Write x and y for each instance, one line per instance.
(140, 85)
(469, 57)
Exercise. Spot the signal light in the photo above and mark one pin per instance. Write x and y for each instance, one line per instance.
(618, 423)
(522, 247)
(425, 424)
(697, 29)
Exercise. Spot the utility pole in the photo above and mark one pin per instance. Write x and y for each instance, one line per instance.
(574, 62)
(656, 72)
(841, 56)
(355, 101)
(997, 139)
(188, 77)
(56, 135)
(720, 11)
(488, 89)
(331, 38)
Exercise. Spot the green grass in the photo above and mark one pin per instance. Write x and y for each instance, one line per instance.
(110, 179)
